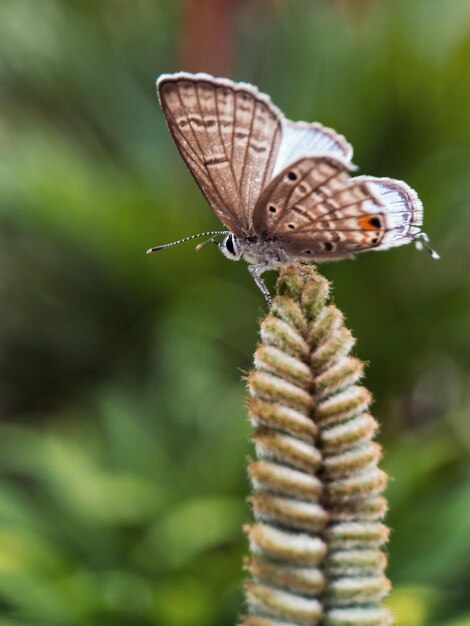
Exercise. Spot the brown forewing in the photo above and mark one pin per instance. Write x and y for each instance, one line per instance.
(228, 134)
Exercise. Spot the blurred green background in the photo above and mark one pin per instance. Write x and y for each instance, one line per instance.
(123, 436)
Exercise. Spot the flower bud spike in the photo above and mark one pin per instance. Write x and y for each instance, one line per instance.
(317, 537)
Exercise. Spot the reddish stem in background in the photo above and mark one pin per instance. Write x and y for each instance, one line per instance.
(208, 35)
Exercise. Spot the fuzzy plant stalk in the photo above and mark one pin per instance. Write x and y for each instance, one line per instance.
(316, 541)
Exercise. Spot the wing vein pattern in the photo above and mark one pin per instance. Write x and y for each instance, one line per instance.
(285, 183)
(229, 136)
(314, 209)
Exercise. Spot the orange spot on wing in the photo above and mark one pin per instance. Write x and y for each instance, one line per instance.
(370, 222)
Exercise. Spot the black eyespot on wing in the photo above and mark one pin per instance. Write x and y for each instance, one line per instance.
(307, 252)
(292, 176)
(291, 226)
(328, 246)
(272, 208)
(229, 244)
(375, 221)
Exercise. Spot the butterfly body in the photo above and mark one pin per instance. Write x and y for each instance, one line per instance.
(264, 252)
(282, 189)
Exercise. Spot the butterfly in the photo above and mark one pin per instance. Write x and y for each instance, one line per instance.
(283, 189)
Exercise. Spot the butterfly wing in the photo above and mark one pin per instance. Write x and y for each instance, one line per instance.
(401, 206)
(228, 134)
(314, 209)
(300, 139)
(234, 140)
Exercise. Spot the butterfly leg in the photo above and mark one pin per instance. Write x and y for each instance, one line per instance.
(298, 267)
(256, 271)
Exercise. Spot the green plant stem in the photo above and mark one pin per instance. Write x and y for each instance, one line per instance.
(315, 544)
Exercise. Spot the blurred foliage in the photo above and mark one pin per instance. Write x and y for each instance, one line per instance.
(123, 433)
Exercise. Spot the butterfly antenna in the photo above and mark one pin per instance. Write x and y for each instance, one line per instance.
(422, 241)
(175, 243)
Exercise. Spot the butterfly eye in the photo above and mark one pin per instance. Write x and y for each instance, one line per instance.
(229, 244)
(230, 249)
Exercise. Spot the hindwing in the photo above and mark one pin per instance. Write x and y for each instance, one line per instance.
(314, 209)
